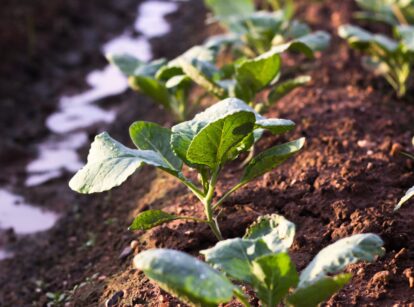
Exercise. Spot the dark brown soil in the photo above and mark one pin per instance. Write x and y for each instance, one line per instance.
(344, 182)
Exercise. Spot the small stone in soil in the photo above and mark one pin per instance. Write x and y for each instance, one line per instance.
(133, 244)
(410, 276)
(125, 253)
(115, 299)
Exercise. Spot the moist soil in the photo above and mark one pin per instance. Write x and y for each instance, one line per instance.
(344, 182)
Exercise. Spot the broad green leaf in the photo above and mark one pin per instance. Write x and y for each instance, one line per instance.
(361, 39)
(283, 88)
(109, 164)
(276, 231)
(297, 29)
(405, 198)
(293, 46)
(152, 88)
(235, 256)
(173, 68)
(126, 63)
(270, 158)
(184, 133)
(318, 292)
(186, 277)
(131, 66)
(406, 32)
(317, 41)
(211, 146)
(255, 74)
(335, 257)
(216, 42)
(150, 136)
(201, 78)
(224, 9)
(275, 125)
(273, 276)
(177, 81)
(151, 218)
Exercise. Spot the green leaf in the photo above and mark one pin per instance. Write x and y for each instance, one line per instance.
(405, 198)
(276, 231)
(273, 276)
(270, 158)
(362, 39)
(317, 41)
(185, 132)
(131, 66)
(186, 277)
(294, 46)
(173, 68)
(152, 88)
(319, 291)
(109, 164)
(201, 78)
(275, 125)
(224, 9)
(283, 88)
(211, 146)
(406, 32)
(151, 218)
(150, 136)
(255, 74)
(335, 257)
(235, 256)
(178, 81)
(126, 63)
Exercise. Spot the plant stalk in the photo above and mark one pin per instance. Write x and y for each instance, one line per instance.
(208, 208)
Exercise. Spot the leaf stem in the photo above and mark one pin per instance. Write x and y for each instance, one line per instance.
(208, 208)
(229, 192)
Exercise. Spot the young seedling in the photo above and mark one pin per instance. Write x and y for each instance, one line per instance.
(392, 12)
(259, 259)
(252, 32)
(216, 136)
(410, 192)
(391, 58)
(245, 78)
(163, 81)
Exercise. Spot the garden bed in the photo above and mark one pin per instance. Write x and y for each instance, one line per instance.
(344, 182)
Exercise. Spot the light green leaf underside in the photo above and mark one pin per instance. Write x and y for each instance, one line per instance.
(275, 125)
(360, 38)
(109, 164)
(234, 256)
(188, 278)
(405, 198)
(335, 257)
(275, 230)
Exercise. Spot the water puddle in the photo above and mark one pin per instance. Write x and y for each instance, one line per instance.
(57, 154)
(23, 218)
